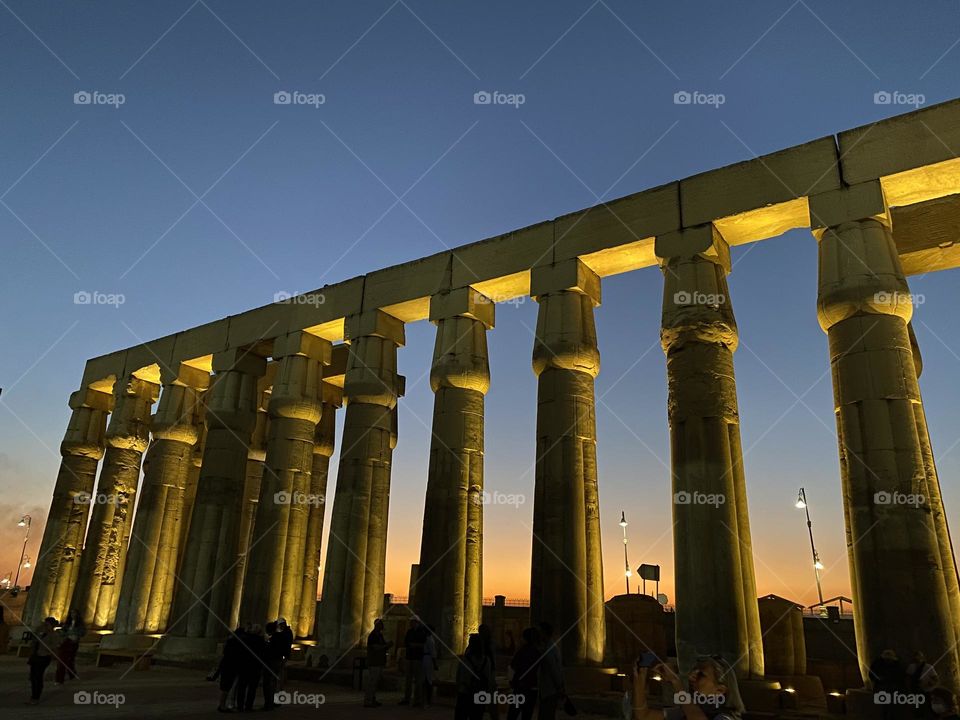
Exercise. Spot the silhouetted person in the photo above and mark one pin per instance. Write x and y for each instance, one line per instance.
(413, 642)
(377, 647)
(943, 704)
(41, 652)
(922, 677)
(525, 666)
(711, 691)
(486, 641)
(474, 676)
(886, 675)
(251, 667)
(273, 664)
(429, 662)
(550, 683)
(285, 639)
(70, 633)
(229, 667)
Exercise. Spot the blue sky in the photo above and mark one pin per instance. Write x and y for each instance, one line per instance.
(199, 197)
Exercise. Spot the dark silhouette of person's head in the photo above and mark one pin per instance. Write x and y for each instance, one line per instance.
(271, 628)
(546, 631)
(474, 645)
(531, 636)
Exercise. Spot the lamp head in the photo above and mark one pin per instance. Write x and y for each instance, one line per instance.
(801, 499)
(623, 519)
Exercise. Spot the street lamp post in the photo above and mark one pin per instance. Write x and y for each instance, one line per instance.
(626, 563)
(24, 522)
(817, 565)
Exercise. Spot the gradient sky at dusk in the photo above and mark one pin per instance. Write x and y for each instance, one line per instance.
(97, 198)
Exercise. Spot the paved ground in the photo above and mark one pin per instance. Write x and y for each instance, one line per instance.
(118, 692)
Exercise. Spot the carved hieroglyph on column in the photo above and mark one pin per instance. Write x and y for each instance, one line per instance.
(273, 584)
(204, 599)
(887, 469)
(717, 611)
(323, 444)
(149, 577)
(353, 579)
(105, 550)
(58, 559)
(449, 593)
(566, 587)
(256, 455)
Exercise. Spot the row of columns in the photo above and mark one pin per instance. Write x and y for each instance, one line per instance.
(249, 547)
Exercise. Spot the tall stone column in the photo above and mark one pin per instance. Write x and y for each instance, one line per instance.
(273, 584)
(323, 445)
(150, 574)
(256, 455)
(193, 477)
(717, 611)
(887, 470)
(450, 589)
(58, 559)
(566, 587)
(353, 580)
(105, 551)
(204, 600)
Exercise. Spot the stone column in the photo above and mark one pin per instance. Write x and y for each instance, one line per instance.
(717, 611)
(353, 579)
(193, 477)
(58, 558)
(105, 550)
(204, 599)
(566, 587)
(256, 455)
(323, 444)
(273, 584)
(450, 590)
(150, 575)
(887, 470)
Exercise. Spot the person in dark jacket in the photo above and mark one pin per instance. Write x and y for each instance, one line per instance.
(273, 663)
(285, 640)
(70, 633)
(377, 647)
(486, 641)
(413, 642)
(229, 666)
(41, 652)
(474, 678)
(887, 676)
(525, 666)
(251, 667)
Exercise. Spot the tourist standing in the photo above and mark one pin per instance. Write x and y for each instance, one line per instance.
(413, 642)
(41, 652)
(550, 676)
(524, 667)
(486, 641)
(474, 675)
(70, 633)
(285, 640)
(229, 667)
(273, 664)
(251, 667)
(887, 676)
(922, 677)
(377, 647)
(429, 664)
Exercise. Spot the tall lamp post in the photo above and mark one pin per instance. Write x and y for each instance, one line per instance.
(817, 565)
(24, 523)
(626, 563)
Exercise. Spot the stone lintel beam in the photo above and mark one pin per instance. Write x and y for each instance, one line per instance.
(572, 274)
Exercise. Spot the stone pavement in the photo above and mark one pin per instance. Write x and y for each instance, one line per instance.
(172, 692)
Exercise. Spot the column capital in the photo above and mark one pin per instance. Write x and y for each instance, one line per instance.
(863, 201)
(129, 426)
(703, 241)
(240, 360)
(462, 302)
(571, 275)
(185, 375)
(85, 431)
(303, 343)
(376, 323)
